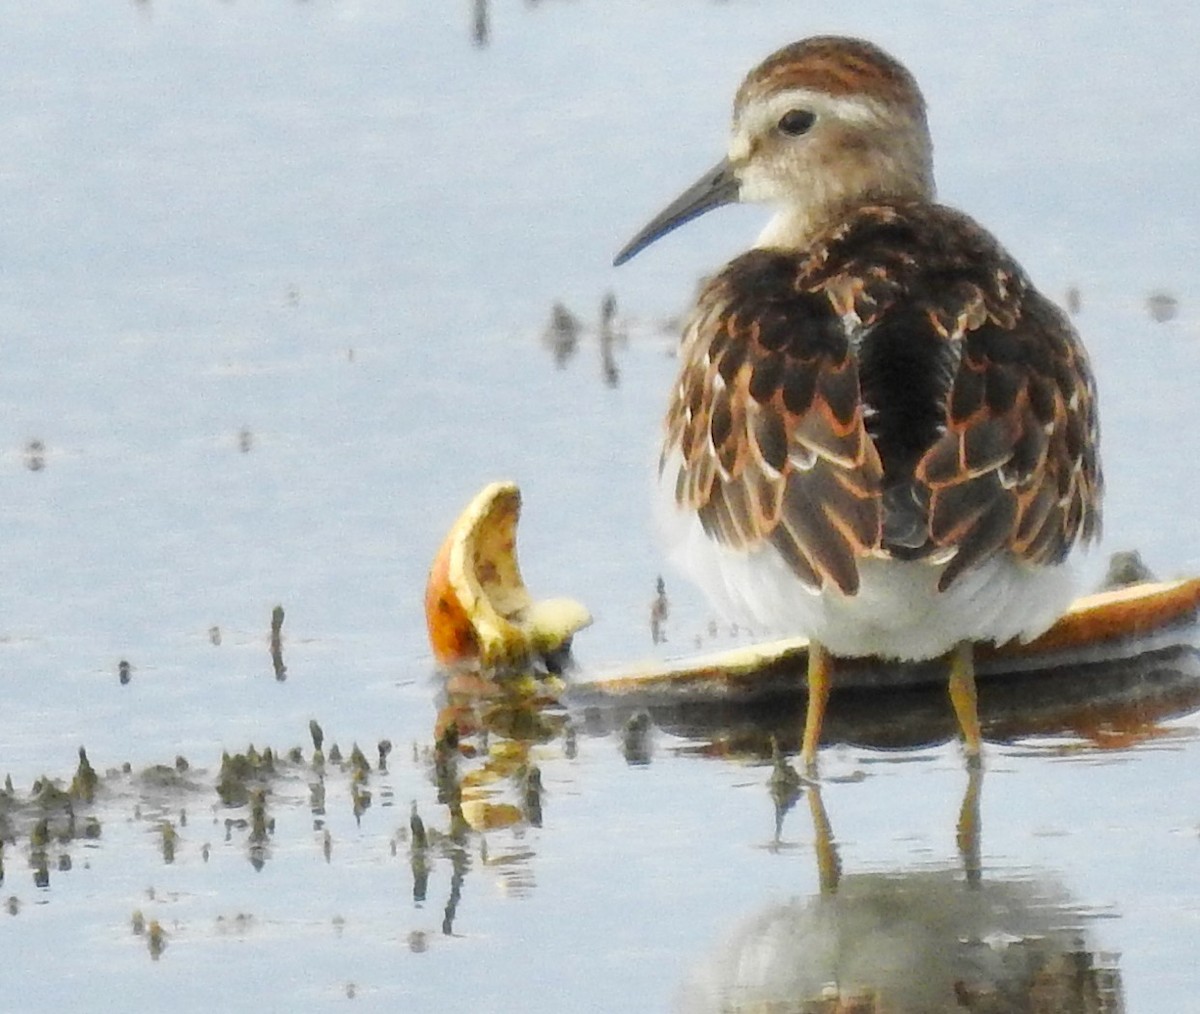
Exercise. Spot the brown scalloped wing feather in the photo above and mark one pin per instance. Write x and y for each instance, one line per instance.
(769, 424)
(1017, 466)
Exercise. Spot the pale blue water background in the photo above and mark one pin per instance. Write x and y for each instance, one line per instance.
(340, 227)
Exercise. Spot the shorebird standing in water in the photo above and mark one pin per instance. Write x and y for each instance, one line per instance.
(882, 435)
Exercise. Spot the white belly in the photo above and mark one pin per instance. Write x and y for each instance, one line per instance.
(898, 611)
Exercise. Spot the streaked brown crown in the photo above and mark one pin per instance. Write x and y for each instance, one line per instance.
(837, 66)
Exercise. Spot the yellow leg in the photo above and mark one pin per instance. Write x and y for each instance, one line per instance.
(962, 696)
(820, 667)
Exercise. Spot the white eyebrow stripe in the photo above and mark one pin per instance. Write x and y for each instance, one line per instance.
(765, 112)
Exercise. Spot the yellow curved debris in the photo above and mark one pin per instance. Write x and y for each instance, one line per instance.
(477, 607)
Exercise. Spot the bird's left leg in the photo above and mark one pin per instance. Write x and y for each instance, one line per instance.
(964, 698)
(820, 668)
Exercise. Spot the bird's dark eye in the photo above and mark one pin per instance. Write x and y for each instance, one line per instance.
(796, 122)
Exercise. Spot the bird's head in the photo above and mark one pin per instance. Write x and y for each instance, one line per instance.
(818, 127)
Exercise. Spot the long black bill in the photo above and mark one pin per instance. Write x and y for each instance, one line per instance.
(716, 187)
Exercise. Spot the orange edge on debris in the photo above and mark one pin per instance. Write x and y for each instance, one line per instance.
(451, 634)
(1133, 611)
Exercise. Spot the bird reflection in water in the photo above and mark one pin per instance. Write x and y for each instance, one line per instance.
(911, 942)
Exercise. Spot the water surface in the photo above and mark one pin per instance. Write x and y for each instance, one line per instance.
(276, 281)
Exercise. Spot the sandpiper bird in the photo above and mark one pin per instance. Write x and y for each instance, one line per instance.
(882, 435)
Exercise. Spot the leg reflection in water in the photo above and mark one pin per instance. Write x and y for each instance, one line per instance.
(919, 941)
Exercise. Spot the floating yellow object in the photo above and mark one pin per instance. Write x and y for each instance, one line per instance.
(477, 607)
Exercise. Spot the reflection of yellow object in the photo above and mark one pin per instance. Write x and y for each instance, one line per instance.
(476, 604)
(480, 777)
(485, 816)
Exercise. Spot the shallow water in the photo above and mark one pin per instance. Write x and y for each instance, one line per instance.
(275, 292)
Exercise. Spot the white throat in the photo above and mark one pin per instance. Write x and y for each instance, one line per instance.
(790, 228)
